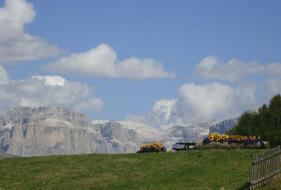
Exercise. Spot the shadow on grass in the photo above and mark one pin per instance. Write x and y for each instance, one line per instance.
(245, 186)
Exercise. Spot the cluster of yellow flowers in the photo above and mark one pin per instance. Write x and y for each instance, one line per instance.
(152, 147)
(216, 137)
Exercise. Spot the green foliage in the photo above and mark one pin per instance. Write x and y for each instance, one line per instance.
(265, 123)
(194, 169)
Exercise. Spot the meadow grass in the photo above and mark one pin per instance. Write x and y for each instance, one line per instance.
(196, 169)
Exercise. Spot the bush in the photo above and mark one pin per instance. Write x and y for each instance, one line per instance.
(152, 147)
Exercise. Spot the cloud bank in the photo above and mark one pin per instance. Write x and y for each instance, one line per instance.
(198, 102)
(218, 99)
(15, 44)
(212, 68)
(102, 62)
(47, 91)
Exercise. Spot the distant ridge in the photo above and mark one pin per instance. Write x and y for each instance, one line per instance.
(28, 131)
(223, 126)
(35, 131)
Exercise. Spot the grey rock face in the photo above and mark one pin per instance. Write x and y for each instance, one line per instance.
(223, 126)
(183, 134)
(121, 139)
(26, 131)
(189, 133)
(25, 115)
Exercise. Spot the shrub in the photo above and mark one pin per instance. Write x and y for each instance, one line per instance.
(152, 147)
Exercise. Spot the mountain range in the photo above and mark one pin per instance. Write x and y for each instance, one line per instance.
(38, 131)
(223, 126)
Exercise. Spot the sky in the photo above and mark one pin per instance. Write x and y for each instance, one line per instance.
(163, 62)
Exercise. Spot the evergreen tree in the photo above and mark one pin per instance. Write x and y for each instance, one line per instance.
(265, 123)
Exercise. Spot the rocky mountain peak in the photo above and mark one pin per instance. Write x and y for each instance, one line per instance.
(31, 131)
(23, 115)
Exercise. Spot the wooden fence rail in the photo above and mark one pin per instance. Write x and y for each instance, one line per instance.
(265, 167)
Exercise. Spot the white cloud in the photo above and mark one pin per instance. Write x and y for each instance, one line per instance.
(272, 86)
(134, 68)
(4, 77)
(214, 100)
(51, 80)
(162, 111)
(205, 101)
(48, 91)
(15, 44)
(209, 101)
(102, 62)
(274, 69)
(211, 68)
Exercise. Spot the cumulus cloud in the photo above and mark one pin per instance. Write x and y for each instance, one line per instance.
(51, 80)
(48, 91)
(272, 86)
(102, 62)
(211, 68)
(162, 111)
(273, 69)
(198, 102)
(218, 100)
(15, 44)
(205, 101)
(4, 77)
(213, 101)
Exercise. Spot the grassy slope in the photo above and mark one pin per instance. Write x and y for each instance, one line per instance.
(205, 169)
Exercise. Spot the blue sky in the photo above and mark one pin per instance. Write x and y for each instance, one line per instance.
(177, 35)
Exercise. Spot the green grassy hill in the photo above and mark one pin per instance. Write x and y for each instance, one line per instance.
(204, 169)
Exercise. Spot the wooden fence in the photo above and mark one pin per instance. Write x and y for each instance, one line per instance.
(265, 167)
